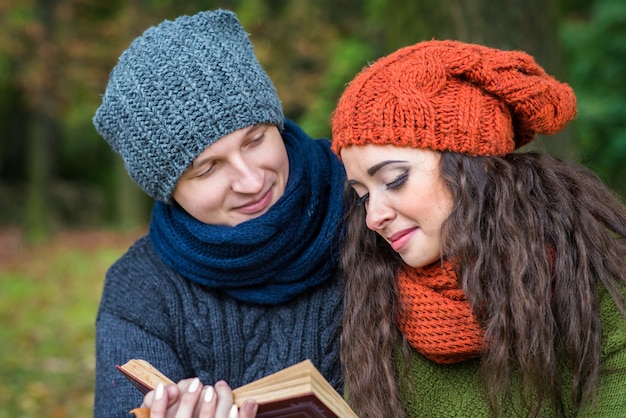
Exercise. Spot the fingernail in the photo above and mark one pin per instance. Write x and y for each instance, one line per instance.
(195, 384)
(208, 394)
(160, 390)
(234, 412)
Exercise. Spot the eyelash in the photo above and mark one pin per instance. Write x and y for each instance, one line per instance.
(399, 181)
(257, 139)
(396, 184)
(207, 171)
(362, 200)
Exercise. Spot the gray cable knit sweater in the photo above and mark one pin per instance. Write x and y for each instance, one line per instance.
(149, 311)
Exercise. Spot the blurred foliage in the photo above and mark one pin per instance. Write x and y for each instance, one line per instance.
(49, 296)
(595, 46)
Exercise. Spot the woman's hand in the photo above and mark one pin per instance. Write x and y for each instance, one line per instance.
(190, 399)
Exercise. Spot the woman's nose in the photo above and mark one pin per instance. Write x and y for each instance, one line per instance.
(379, 213)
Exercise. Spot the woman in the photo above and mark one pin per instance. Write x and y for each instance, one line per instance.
(479, 281)
(237, 276)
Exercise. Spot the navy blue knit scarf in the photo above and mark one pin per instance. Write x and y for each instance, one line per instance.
(270, 259)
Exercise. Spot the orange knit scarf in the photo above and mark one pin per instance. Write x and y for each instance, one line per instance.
(435, 315)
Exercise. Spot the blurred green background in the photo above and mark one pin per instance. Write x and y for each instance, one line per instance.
(68, 209)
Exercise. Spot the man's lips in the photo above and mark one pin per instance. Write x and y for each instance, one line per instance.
(256, 205)
(400, 238)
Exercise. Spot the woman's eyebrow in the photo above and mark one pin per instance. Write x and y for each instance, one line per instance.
(373, 169)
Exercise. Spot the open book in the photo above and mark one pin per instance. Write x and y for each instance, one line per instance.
(297, 391)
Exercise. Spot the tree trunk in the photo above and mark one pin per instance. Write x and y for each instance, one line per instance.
(43, 130)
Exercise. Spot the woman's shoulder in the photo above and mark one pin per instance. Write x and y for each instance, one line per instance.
(610, 394)
(613, 326)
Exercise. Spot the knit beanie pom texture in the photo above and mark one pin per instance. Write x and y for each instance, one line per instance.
(178, 88)
(452, 96)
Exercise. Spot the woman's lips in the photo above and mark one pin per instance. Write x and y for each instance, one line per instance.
(399, 239)
(257, 205)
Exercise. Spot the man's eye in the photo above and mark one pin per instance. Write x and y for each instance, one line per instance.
(257, 139)
(206, 171)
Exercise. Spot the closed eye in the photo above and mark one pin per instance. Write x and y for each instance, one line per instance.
(362, 200)
(399, 181)
(258, 135)
(207, 170)
(257, 139)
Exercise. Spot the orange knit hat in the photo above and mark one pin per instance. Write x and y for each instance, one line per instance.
(454, 96)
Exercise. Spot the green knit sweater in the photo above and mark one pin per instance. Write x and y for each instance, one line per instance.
(434, 390)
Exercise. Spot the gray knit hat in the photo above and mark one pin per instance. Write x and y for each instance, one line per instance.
(177, 89)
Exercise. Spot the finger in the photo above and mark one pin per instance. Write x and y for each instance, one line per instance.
(248, 409)
(224, 400)
(170, 390)
(172, 393)
(158, 406)
(208, 404)
(189, 398)
(147, 399)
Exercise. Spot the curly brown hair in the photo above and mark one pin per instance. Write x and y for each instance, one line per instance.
(535, 238)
